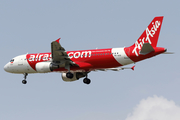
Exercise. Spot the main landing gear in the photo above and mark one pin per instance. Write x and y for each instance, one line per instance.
(24, 81)
(86, 80)
(83, 74)
(69, 75)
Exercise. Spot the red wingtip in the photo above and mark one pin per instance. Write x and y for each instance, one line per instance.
(58, 40)
(133, 68)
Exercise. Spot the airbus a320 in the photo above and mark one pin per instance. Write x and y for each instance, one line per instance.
(77, 64)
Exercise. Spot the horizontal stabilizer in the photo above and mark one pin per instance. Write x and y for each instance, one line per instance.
(146, 48)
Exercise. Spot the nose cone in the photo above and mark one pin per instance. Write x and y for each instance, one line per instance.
(6, 67)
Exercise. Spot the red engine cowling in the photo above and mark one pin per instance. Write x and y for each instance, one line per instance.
(44, 67)
(76, 76)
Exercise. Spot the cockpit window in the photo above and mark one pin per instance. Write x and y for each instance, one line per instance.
(12, 60)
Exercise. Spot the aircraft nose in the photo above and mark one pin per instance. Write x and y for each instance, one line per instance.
(6, 67)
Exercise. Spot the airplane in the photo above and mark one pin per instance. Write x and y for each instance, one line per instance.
(77, 64)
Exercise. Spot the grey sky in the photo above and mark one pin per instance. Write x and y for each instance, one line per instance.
(30, 26)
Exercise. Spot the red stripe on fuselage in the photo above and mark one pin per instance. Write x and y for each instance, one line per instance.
(37, 57)
(97, 58)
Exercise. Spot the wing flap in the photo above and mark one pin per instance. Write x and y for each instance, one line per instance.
(115, 69)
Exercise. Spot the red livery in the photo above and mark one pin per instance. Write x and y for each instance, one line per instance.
(77, 64)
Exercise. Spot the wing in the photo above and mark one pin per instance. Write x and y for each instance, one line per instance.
(59, 55)
(116, 69)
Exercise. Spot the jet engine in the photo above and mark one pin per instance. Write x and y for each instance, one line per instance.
(44, 67)
(76, 76)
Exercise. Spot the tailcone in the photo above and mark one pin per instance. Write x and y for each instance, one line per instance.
(165, 52)
(159, 50)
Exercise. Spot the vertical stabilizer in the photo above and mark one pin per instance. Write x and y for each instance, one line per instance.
(150, 35)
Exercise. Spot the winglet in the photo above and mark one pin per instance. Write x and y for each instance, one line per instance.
(133, 67)
(58, 40)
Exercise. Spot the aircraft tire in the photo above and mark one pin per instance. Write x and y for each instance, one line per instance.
(69, 75)
(24, 81)
(86, 81)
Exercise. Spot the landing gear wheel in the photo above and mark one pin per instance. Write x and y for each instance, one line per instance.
(87, 81)
(69, 75)
(24, 81)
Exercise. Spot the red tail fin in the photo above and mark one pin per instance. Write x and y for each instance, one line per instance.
(150, 35)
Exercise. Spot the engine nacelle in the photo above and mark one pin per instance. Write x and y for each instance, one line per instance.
(44, 67)
(76, 76)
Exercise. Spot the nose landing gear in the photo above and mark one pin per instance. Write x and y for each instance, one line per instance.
(24, 81)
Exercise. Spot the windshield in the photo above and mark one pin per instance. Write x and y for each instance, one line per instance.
(12, 60)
